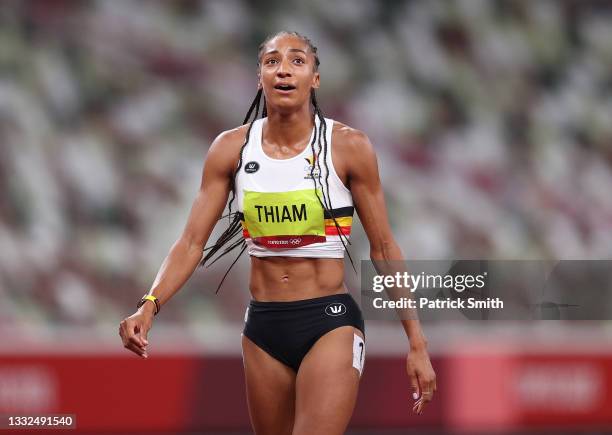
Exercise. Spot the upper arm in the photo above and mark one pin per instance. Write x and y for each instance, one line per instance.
(210, 201)
(367, 192)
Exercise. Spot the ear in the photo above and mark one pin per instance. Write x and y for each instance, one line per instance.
(316, 80)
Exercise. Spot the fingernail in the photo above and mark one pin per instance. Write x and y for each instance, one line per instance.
(415, 396)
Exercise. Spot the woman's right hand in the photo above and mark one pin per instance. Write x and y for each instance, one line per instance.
(134, 329)
(186, 253)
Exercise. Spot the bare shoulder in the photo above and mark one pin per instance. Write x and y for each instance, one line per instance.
(225, 148)
(354, 148)
(348, 140)
(230, 141)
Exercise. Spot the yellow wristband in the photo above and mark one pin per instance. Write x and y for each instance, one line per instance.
(152, 299)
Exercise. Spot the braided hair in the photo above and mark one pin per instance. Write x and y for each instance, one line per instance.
(231, 238)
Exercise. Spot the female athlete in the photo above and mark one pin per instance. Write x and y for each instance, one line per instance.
(296, 178)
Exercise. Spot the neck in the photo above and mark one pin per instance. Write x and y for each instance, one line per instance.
(288, 129)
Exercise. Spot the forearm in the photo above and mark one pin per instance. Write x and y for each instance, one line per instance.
(388, 259)
(176, 269)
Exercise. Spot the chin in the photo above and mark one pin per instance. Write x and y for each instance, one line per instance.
(285, 104)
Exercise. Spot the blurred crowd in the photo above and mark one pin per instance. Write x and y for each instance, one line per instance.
(492, 121)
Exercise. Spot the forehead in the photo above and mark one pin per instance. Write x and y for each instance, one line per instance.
(285, 42)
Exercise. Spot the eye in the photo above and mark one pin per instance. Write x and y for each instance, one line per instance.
(299, 60)
(270, 60)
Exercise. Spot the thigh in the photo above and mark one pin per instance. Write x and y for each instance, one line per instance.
(270, 387)
(327, 384)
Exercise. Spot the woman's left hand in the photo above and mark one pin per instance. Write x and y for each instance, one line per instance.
(422, 378)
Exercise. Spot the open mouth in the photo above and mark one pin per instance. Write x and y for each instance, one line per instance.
(284, 87)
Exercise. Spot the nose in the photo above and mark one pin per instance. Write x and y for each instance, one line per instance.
(284, 68)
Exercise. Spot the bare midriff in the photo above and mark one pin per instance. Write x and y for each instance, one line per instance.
(285, 279)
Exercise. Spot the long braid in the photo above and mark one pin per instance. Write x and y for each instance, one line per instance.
(326, 204)
(233, 233)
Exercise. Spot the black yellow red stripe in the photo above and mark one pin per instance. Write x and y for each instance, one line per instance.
(339, 212)
(343, 217)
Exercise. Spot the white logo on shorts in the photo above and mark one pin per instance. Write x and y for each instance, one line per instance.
(335, 309)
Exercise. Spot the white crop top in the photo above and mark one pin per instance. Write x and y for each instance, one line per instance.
(280, 212)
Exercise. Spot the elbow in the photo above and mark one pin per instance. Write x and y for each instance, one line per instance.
(376, 253)
(385, 249)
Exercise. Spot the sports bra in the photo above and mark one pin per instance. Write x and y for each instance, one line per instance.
(280, 210)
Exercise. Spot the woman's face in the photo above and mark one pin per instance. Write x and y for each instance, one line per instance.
(287, 72)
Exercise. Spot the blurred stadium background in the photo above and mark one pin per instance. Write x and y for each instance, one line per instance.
(492, 121)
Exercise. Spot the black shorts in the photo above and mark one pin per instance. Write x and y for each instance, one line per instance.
(287, 330)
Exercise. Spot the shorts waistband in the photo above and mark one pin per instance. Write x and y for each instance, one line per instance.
(302, 302)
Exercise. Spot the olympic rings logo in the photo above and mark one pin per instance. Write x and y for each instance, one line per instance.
(296, 241)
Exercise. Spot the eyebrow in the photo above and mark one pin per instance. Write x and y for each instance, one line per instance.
(291, 49)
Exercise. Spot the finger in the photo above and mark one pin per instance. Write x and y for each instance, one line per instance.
(138, 334)
(132, 330)
(128, 332)
(427, 396)
(123, 335)
(425, 384)
(414, 382)
(144, 334)
(136, 342)
(430, 387)
(137, 337)
(421, 408)
(137, 350)
(133, 346)
(418, 407)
